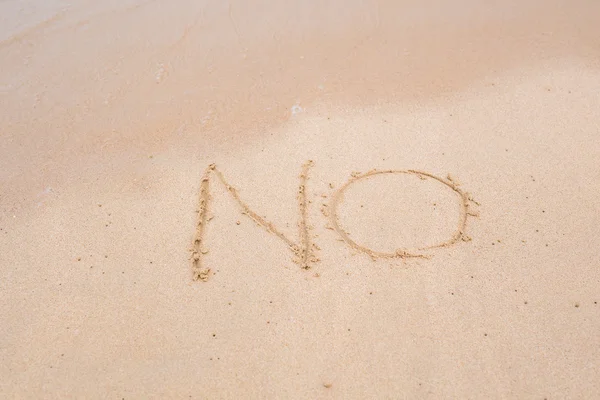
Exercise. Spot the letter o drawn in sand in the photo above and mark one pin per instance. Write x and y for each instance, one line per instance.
(463, 197)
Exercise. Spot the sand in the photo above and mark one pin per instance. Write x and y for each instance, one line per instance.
(357, 199)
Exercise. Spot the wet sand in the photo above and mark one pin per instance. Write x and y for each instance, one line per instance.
(350, 277)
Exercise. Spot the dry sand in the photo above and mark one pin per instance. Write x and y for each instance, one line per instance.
(477, 279)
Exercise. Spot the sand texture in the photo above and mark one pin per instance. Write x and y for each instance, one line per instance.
(300, 200)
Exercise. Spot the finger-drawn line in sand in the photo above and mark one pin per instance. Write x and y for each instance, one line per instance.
(459, 234)
(303, 252)
(201, 273)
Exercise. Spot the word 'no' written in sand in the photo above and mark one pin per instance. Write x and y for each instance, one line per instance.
(303, 247)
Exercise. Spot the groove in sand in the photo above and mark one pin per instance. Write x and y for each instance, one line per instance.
(459, 234)
(302, 251)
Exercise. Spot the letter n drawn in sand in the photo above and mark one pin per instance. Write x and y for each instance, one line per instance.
(303, 250)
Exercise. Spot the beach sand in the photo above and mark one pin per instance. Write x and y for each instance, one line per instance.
(392, 199)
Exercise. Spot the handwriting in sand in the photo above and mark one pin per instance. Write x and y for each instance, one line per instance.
(304, 248)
